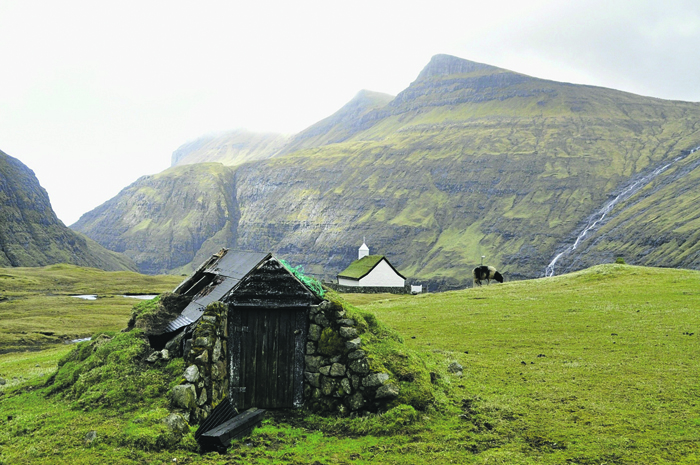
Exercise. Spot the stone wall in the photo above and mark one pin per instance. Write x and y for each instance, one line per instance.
(205, 380)
(369, 289)
(338, 377)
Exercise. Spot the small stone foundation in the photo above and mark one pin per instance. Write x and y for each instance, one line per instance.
(337, 376)
(205, 381)
(369, 289)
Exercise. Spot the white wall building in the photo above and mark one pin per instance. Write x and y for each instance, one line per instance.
(370, 271)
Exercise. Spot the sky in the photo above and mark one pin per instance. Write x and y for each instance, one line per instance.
(94, 95)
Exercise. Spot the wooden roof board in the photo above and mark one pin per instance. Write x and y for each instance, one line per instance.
(271, 284)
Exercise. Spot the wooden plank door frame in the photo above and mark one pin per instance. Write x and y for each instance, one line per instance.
(237, 393)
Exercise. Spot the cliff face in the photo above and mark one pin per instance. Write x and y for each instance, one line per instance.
(30, 232)
(168, 221)
(469, 160)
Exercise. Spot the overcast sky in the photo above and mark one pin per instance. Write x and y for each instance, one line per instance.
(95, 94)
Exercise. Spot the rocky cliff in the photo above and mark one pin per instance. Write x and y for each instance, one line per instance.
(170, 220)
(469, 160)
(30, 232)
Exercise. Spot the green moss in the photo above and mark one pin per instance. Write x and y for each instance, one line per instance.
(110, 371)
(331, 344)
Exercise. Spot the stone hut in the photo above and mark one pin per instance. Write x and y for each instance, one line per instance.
(256, 334)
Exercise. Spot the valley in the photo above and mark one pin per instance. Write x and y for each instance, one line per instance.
(589, 367)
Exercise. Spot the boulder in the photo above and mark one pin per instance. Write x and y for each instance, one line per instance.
(328, 386)
(176, 423)
(360, 366)
(314, 332)
(314, 379)
(356, 354)
(192, 374)
(216, 353)
(313, 363)
(455, 367)
(337, 370)
(346, 332)
(388, 391)
(375, 379)
(184, 396)
(356, 401)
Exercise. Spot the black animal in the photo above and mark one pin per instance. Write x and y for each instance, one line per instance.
(487, 273)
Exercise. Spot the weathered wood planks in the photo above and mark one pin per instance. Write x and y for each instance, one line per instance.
(219, 438)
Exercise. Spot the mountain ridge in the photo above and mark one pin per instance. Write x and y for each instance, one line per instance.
(483, 162)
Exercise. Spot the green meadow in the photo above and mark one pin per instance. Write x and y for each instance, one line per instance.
(37, 308)
(594, 367)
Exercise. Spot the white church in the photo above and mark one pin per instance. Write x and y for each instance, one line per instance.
(370, 271)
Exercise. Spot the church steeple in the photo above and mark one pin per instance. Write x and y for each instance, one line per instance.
(363, 251)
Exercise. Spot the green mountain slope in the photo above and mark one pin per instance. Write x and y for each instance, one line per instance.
(166, 221)
(355, 116)
(230, 148)
(659, 225)
(32, 235)
(469, 160)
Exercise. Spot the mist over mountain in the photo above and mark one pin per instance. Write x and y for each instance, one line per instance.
(469, 160)
(30, 232)
(230, 148)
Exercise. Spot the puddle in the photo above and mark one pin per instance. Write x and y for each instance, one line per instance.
(86, 296)
(142, 297)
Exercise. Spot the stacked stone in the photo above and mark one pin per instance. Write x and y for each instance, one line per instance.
(338, 377)
(205, 381)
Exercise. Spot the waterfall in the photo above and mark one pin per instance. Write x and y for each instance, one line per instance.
(600, 215)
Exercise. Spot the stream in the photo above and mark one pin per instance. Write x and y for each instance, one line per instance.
(600, 215)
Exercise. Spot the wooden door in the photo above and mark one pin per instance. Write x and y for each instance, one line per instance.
(267, 357)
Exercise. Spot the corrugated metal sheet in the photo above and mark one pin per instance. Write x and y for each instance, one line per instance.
(232, 267)
(237, 264)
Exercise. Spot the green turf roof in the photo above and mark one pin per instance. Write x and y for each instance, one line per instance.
(361, 267)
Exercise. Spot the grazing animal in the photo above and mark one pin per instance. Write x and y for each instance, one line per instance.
(487, 273)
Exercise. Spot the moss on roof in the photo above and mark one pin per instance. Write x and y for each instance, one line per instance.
(361, 267)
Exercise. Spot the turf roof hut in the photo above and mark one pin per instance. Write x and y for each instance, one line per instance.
(252, 348)
(370, 271)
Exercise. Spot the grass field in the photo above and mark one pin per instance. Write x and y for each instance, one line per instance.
(595, 367)
(37, 310)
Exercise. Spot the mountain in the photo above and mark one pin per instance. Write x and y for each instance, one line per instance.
(169, 221)
(230, 148)
(469, 160)
(659, 225)
(32, 235)
(353, 117)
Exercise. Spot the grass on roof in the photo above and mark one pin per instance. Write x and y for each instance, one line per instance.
(361, 267)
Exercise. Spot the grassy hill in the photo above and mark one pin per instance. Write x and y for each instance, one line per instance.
(469, 160)
(592, 367)
(30, 232)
